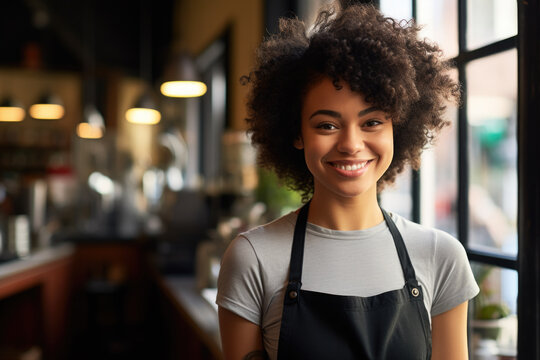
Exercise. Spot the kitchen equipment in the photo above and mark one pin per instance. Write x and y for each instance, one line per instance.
(19, 235)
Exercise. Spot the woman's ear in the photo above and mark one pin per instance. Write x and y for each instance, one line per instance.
(298, 143)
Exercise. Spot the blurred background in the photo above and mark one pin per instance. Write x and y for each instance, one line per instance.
(125, 169)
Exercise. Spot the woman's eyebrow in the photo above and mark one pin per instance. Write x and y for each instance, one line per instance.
(331, 113)
(368, 110)
(337, 115)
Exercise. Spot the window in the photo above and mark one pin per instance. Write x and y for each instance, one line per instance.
(212, 65)
(468, 184)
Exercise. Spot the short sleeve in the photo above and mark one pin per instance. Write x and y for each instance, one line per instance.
(454, 282)
(240, 287)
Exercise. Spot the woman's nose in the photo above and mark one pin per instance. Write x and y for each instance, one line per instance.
(350, 141)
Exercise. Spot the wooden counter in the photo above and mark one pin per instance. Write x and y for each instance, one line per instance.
(45, 304)
(196, 332)
(34, 295)
(11, 270)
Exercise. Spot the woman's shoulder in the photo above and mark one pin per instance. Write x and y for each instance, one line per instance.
(260, 245)
(264, 243)
(275, 229)
(438, 241)
(441, 264)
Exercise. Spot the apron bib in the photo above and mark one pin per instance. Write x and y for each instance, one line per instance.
(391, 325)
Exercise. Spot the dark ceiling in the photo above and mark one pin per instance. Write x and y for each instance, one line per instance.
(78, 34)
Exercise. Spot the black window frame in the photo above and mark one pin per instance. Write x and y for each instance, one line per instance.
(464, 57)
(528, 180)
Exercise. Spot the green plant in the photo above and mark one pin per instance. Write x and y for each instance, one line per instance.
(484, 307)
(277, 197)
(487, 313)
(492, 311)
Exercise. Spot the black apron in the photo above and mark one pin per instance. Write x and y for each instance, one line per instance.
(392, 325)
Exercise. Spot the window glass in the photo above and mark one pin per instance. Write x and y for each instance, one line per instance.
(397, 9)
(397, 196)
(492, 117)
(438, 178)
(439, 22)
(493, 318)
(489, 21)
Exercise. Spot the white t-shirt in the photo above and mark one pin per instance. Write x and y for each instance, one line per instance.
(255, 268)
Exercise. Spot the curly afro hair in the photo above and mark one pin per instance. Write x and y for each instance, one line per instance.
(376, 56)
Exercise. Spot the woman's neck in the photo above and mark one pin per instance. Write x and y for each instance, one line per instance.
(357, 213)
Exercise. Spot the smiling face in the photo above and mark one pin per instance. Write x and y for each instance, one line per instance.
(348, 143)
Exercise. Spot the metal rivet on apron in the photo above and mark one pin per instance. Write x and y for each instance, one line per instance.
(293, 294)
(415, 292)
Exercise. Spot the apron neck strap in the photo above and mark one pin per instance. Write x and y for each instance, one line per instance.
(297, 253)
(404, 259)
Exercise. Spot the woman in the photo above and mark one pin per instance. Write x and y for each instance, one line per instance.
(337, 115)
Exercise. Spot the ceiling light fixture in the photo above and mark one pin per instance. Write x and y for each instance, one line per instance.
(181, 79)
(93, 125)
(145, 110)
(10, 111)
(49, 107)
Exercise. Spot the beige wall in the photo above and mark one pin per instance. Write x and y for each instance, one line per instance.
(199, 22)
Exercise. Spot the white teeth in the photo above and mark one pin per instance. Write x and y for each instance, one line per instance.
(351, 167)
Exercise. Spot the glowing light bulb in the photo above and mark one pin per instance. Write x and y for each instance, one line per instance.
(11, 113)
(183, 88)
(47, 111)
(143, 116)
(87, 131)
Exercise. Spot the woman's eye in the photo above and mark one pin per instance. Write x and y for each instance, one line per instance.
(371, 123)
(326, 126)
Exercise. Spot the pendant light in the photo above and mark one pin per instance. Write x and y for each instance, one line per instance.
(145, 110)
(10, 111)
(48, 107)
(93, 125)
(181, 79)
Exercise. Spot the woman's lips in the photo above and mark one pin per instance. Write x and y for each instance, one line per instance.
(350, 168)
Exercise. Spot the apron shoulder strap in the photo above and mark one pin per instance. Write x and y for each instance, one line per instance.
(404, 259)
(297, 252)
